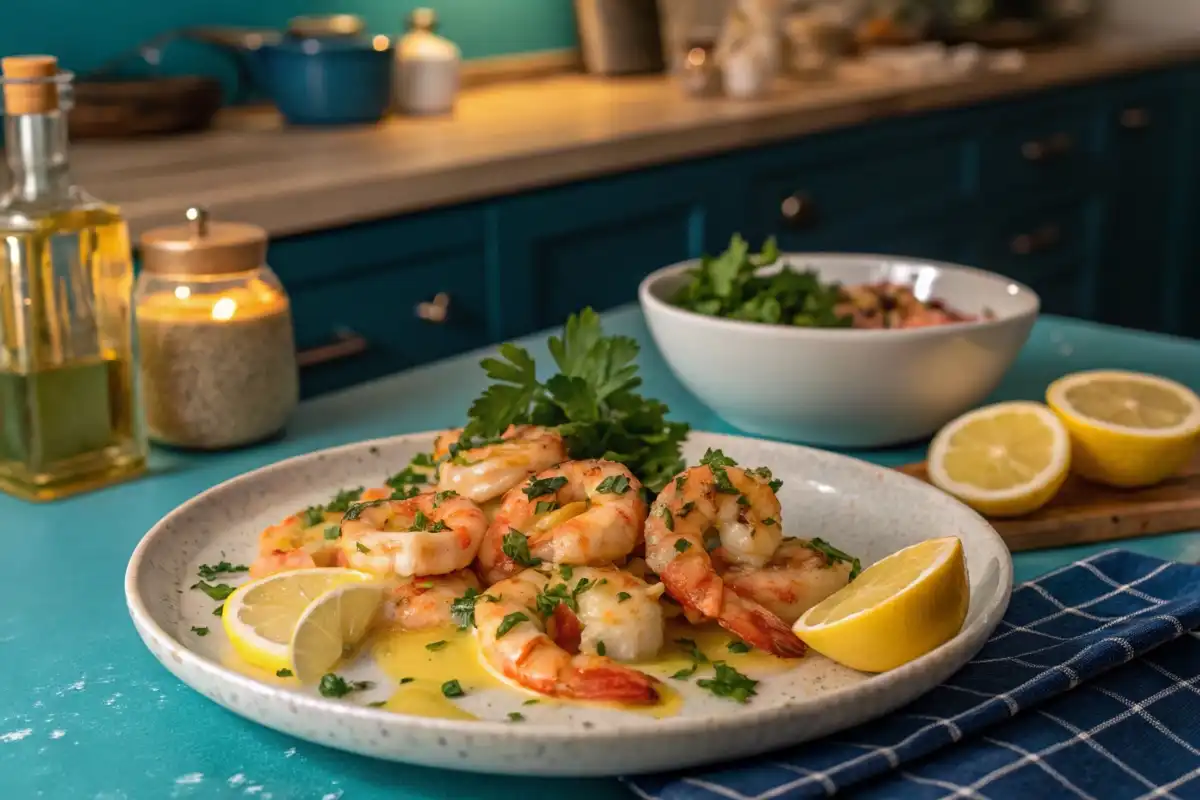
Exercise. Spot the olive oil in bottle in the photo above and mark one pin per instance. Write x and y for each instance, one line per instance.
(68, 400)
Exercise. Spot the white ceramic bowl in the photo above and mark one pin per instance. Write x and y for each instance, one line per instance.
(842, 387)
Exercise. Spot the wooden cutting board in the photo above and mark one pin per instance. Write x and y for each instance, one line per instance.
(1084, 512)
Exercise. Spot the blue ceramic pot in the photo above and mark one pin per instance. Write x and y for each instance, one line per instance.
(326, 81)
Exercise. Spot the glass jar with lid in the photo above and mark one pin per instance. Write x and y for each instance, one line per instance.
(217, 356)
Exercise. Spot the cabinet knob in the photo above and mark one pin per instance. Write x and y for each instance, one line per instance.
(798, 210)
(1135, 119)
(436, 310)
(1043, 238)
(1056, 146)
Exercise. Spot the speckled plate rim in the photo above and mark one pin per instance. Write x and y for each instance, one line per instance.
(940, 663)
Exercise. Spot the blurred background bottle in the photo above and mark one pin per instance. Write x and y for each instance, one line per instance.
(68, 397)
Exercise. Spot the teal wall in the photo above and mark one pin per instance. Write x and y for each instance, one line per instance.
(83, 33)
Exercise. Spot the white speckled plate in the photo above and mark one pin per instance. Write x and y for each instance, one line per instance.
(866, 510)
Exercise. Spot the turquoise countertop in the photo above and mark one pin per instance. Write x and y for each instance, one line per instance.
(86, 712)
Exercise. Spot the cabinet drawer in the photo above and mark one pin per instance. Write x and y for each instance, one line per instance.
(1044, 147)
(805, 203)
(375, 321)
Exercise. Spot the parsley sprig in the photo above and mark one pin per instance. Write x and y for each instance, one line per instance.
(591, 401)
(834, 555)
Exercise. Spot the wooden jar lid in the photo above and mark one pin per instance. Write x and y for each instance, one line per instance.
(40, 96)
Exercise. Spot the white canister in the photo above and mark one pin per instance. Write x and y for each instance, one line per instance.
(427, 67)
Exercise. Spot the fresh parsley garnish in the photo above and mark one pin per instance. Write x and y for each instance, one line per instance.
(406, 478)
(717, 461)
(333, 685)
(433, 647)
(834, 555)
(530, 702)
(208, 572)
(200, 631)
(728, 682)
(340, 503)
(567, 571)
(362, 548)
(770, 521)
(283, 673)
(623, 596)
(687, 508)
(693, 650)
(377, 704)
(515, 545)
(613, 484)
(420, 521)
(313, 515)
(462, 609)
(682, 545)
(665, 514)
(738, 646)
(355, 511)
(591, 401)
(600, 648)
(687, 672)
(544, 506)
(716, 458)
(452, 688)
(443, 496)
(218, 592)
(516, 716)
(218, 611)
(406, 680)
(510, 621)
(542, 486)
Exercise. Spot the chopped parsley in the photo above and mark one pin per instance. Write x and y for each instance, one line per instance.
(600, 648)
(405, 493)
(738, 646)
(623, 596)
(544, 506)
(218, 592)
(516, 546)
(406, 680)
(834, 555)
(423, 460)
(510, 621)
(728, 682)
(406, 478)
(462, 609)
(362, 548)
(533, 701)
(443, 496)
(377, 704)
(200, 631)
(685, 673)
(218, 611)
(613, 484)
(516, 716)
(665, 514)
(687, 508)
(208, 572)
(743, 501)
(340, 503)
(452, 688)
(680, 482)
(313, 515)
(542, 486)
(557, 593)
(697, 656)
(355, 511)
(333, 685)
(770, 521)
(283, 673)
(433, 647)
(425, 584)
(567, 571)
(332, 532)
(776, 485)
(591, 401)
(682, 545)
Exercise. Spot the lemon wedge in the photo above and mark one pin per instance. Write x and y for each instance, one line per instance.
(1127, 429)
(1003, 460)
(261, 616)
(897, 610)
(331, 626)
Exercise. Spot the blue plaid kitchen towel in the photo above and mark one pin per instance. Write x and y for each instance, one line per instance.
(1089, 688)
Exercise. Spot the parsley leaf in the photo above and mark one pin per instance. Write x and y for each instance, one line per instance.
(544, 506)
(516, 716)
(283, 673)
(728, 682)
(433, 647)
(332, 685)
(452, 688)
(342, 500)
(613, 484)
(834, 555)
(738, 646)
(543, 486)
(716, 458)
(462, 609)
(333, 532)
(509, 622)
(665, 514)
(200, 631)
(682, 545)
(313, 515)
(600, 648)
(208, 572)
(515, 545)
(218, 592)
(623, 596)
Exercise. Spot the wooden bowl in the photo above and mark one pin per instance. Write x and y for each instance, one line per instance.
(143, 106)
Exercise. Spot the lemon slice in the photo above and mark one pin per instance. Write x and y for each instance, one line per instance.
(260, 616)
(332, 625)
(897, 610)
(1003, 460)
(1127, 429)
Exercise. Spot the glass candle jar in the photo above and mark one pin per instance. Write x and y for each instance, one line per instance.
(217, 356)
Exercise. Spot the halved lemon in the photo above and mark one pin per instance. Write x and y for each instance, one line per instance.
(1003, 460)
(261, 616)
(898, 609)
(331, 626)
(1127, 429)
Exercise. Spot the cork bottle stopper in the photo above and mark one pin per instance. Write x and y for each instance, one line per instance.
(30, 98)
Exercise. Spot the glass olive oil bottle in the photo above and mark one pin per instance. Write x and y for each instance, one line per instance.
(68, 401)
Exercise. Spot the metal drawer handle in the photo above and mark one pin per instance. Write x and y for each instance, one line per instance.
(346, 344)
(1135, 119)
(1043, 238)
(436, 310)
(799, 211)
(1056, 146)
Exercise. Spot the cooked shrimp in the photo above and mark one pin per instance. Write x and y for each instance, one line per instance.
(606, 611)
(435, 533)
(513, 639)
(425, 601)
(579, 513)
(740, 505)
(487, 472)
(308, 538)
(795, 579)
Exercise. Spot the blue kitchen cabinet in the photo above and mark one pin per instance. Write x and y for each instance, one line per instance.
(591, 244)
(379, 297)
(1183, 286)
(1141, 121)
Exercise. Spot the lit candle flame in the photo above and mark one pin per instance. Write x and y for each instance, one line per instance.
(224, 308)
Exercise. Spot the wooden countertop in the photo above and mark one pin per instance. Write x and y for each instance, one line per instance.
(524, 135)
